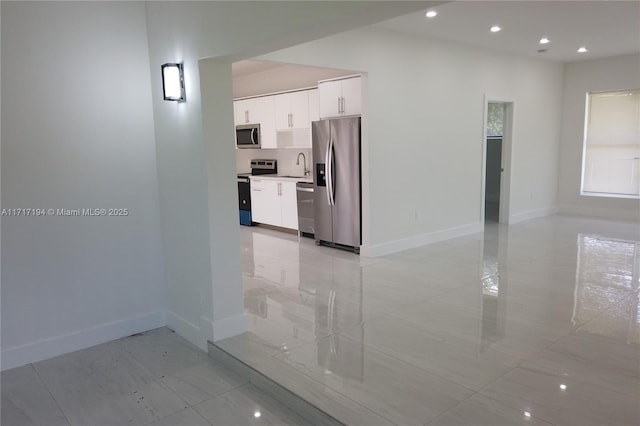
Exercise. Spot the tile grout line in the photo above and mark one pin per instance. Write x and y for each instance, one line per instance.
(46, 386)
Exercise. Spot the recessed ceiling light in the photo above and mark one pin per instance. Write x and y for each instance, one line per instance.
(495, 29)
(431, 14)
(582, 50)
(544, 40)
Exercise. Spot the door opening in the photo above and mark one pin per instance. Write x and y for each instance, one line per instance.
(497, 153)
(495, 131)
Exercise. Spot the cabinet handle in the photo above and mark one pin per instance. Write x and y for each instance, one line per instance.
(339, 105)
(279, 188)
(246, 116)
(343, 108)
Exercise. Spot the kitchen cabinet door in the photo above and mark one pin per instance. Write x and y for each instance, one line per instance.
(314, 106)
(299, 109)
(340, 97)
(329, 93)
(259, 203)
(282, 106)
(352, 96)
(241, 112)
(265, 205)
(265, 115)
(292, 110)
(249, 111)
(289, 204)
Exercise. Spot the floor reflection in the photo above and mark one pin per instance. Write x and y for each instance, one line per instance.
(607, 271)
(539, 318)
(494, 290)
(283, 283)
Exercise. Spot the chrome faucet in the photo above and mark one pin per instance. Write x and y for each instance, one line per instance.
(306, 171)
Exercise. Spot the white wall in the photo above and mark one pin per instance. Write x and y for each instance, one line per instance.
(78, 133)
(423, 128)
(203, 269)
(618, 73)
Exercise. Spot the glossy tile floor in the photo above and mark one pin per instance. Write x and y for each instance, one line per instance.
(155, 378)
(534, 323)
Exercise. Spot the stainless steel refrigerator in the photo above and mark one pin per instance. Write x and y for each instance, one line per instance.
(337, 199)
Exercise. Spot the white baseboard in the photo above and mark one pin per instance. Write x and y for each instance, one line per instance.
(82, 339)
(228, 327)
(532, 214)
(186, 329)
(419, 240)
(615, 214)
(207, 329)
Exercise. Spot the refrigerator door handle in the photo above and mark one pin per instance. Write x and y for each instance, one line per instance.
(330, 186)
(327, 172)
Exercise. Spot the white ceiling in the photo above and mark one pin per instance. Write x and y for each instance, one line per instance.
(606, 28)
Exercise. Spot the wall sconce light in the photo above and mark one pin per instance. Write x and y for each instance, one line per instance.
(173, 82)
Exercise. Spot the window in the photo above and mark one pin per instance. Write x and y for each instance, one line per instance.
(495, 120)
(611, 155)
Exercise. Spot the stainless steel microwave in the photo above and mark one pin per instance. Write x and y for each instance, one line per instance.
(248, 136)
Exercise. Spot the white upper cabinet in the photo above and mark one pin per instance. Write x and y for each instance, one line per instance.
(292, 110)
(314, 106)
(340, 97)
(285, 119)
(267, 120)
(352, 96)
(241, 111)
(330, 98)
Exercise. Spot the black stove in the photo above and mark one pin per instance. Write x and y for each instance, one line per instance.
(264, 167)
(258, 167)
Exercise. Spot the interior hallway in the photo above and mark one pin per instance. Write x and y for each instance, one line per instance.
(534, 323)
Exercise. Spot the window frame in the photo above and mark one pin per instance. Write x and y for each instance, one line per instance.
(587, 111)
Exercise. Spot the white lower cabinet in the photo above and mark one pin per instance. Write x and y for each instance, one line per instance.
(274, 202)
(265, 206)
(289, 204)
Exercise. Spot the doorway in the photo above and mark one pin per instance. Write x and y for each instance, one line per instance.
(497, 155)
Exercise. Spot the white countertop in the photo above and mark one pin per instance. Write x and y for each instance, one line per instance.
(308, 179)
